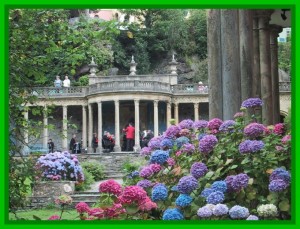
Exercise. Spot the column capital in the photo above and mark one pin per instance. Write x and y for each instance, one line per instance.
(116, 101)
(99, 102)
(136, 101)
(275, 29)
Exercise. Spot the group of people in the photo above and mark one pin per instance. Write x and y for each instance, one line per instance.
(58, 83)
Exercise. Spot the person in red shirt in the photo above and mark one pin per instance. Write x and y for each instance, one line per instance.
(130, 130)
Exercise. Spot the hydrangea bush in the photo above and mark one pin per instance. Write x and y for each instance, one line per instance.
(60, 166)
(233, 169)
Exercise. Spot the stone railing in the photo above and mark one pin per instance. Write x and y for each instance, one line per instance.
(285, 86)
(130, 85)
(189, 89)
(60, 92)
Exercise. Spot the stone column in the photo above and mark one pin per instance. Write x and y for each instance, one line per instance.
(256, 79)
(275, 30)
(99, 126)
(230, 63)
(246, 52)
(155, 103)
(90, 135)
(214, 54)
(168, 114)
(196, 111)
(137, 124)
(45, 128)
(117, 147)
(176, 114)
(26, 140)
(265, 66)
(84, 127)
(65, 128)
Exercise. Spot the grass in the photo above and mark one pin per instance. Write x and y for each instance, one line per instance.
(44, 214)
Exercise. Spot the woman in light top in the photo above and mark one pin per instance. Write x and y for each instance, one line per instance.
(66, 82)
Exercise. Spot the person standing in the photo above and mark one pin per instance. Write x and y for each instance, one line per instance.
(95, 142)
(50, 146)
(73, 144)
(130, 130)
(66, 82)
(57, 83)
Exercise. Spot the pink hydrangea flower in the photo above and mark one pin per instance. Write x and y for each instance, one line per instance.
(110, 186)
(215, 123)
(132, 194)
(96, 212)
(82, 207)
(171, 161)
(279, 129)
(178, 153)
(155, 167)
(286, 139)
(54, 217)
(147, 204)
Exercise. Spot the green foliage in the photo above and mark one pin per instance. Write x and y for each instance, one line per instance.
(288, 120)
(21, 179)
(88, 180)
(95, 169)
(284, 56)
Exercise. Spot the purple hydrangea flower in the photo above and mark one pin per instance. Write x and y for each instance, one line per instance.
(159, 157)
(172, 131)
(159, 192)
(250, 146)
(215, 198)
(171, 161)
(227, 126)
(215, 123)
(166, 143)
(207, 143)
(186, 124)
(154, 143)
(206, 192)
(219, 186)
(181, 141)
(188, 148)
(252, 217)
(200, 124)
(144, 184)
(220, 209)
(235, 183)
(238, 212)
(277, 185)
(204, 212)
(254, 130)
(146, 172)
(184, 132)
(187, 184)
(252, 102)
(280, 174)
(145, 151)
(183, 200)
(198, 170)
(172, 214)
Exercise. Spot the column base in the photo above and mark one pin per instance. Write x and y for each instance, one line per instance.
(136, 148)
(117, 148)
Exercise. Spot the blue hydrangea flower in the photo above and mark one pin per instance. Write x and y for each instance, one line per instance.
(172, 214)
(251, 146)
(206, 192)
(252, 217)
(204, 212)
(187, 184)
(166, 143)
(159, 192)
(215, 198)
(159, 157)
(277, 185)
(238, 212)
(181, 140)
(175, 188)
(183, 200)
(219, 186)
(220, 209)
(280, 174)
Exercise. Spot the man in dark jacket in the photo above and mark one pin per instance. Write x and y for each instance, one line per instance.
(51, 146)
(73, 144)
(95, 142)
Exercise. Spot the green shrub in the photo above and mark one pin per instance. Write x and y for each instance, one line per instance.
(95, 168)
(88, 180)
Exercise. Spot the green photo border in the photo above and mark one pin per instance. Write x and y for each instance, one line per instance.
(5, 5)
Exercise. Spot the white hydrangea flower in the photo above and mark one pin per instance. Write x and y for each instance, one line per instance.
(267, 210)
